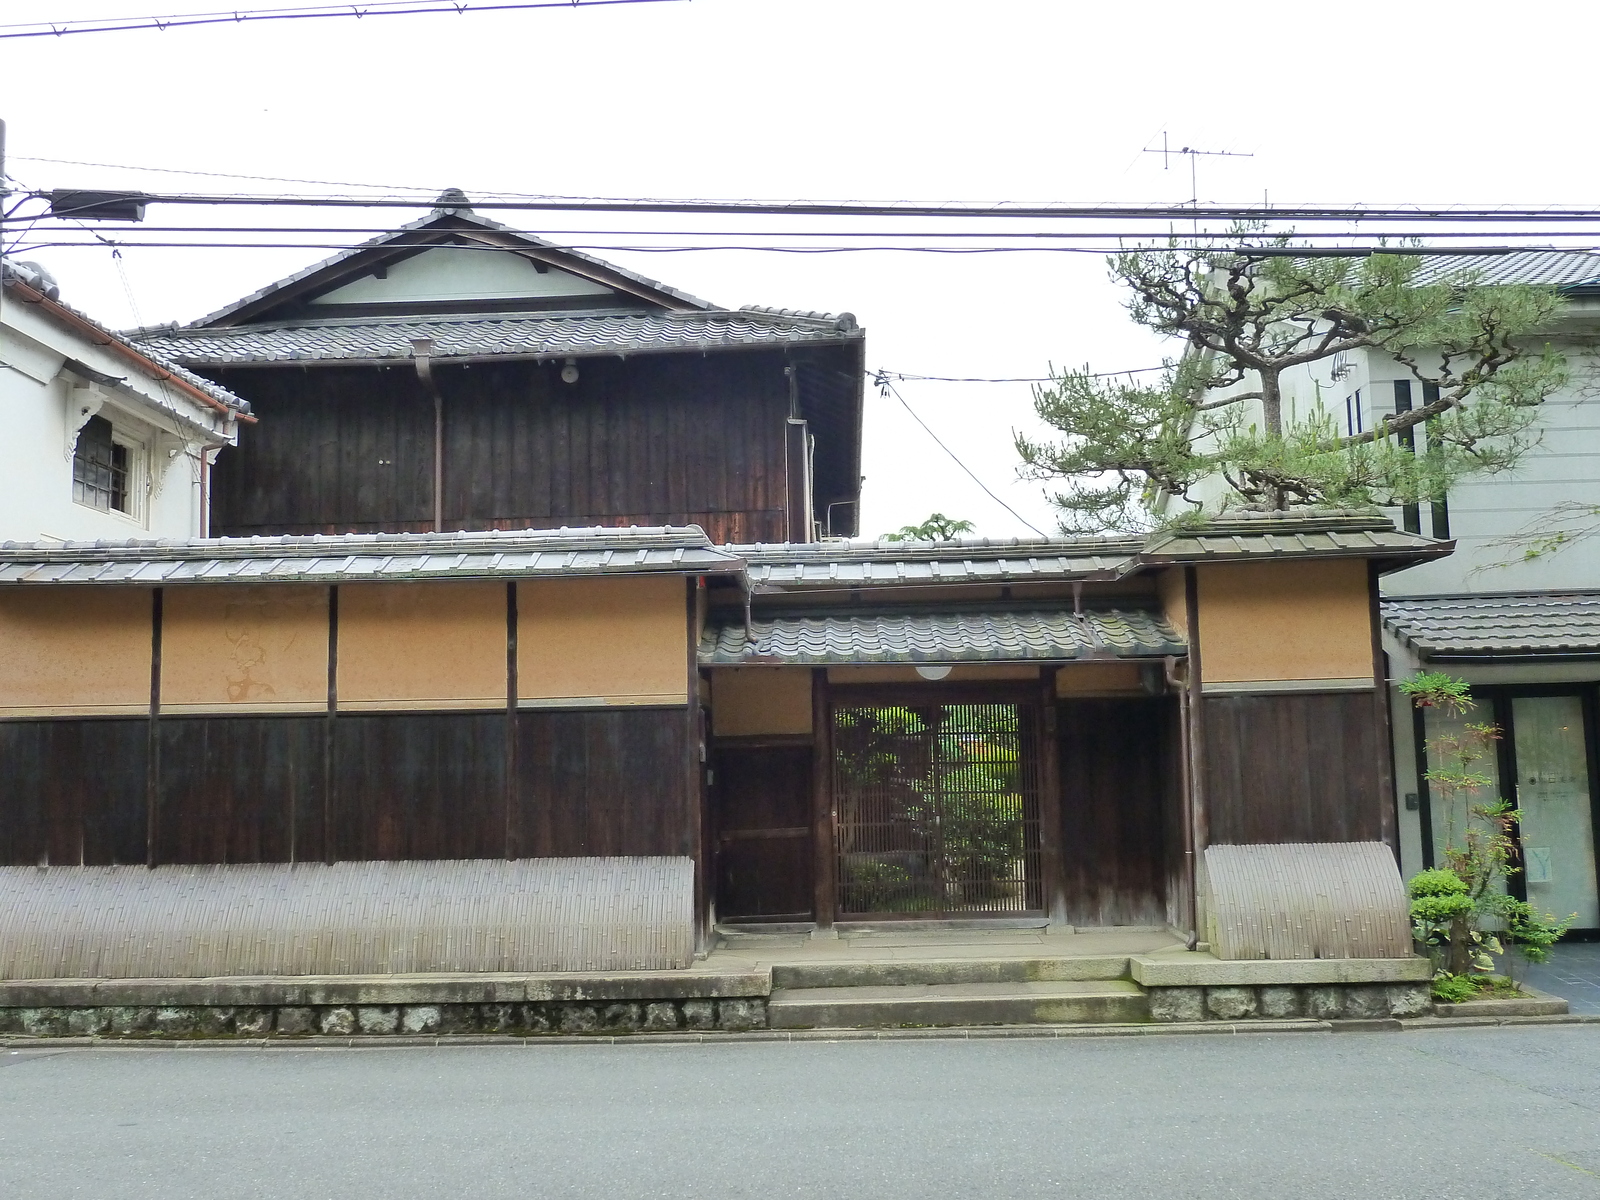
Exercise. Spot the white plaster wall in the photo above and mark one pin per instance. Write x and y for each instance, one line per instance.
(35, 458)
(455, 273)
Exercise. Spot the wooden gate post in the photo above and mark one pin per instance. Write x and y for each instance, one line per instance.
(1053, 894)
(822, 835)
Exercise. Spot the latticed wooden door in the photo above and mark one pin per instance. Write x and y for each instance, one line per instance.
(936, 809)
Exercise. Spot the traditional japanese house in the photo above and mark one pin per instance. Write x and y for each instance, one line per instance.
(1052, 730)
(459, 375)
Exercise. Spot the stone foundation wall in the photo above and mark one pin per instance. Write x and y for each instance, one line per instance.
(1327, 1002)
(413, 1020)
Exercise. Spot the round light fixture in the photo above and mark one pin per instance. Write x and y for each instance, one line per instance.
(569, 373)
(933, 671)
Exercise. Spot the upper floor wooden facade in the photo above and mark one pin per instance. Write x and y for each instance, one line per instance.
(459, 375)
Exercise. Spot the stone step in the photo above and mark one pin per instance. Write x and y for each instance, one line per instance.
(1050, 1002)
(899, 973)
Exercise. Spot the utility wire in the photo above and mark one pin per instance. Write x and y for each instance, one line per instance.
(631, 248)
(902, 376)
(371, 8)
(1421, 214)
(886, 387)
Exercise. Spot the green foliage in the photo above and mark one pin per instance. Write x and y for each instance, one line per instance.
(1435, 689)
(1454, 989)
(1248, 315)
(937, 528)
(955, 796)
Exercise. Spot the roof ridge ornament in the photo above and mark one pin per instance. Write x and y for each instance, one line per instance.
(452, 200)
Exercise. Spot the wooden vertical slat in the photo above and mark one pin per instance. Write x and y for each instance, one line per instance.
(330, 743)
(513, 839)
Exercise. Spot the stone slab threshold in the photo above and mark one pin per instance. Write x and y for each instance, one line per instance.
(977, 1033)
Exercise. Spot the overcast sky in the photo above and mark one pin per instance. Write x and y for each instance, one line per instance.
(827, 99)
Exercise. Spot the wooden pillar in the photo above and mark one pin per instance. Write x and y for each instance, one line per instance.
(330, 749)
(1199, 830)
(826, 858)
(1388, 801)
(152, 779)
(694, 767)
(1053, 880)
(513, 834)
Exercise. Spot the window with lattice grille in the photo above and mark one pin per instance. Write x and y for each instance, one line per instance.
(101, 469)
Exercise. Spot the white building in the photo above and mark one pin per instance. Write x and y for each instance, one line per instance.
(102, 440)
(1525, 632)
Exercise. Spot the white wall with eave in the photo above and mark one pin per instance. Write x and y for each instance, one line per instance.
(42, 399)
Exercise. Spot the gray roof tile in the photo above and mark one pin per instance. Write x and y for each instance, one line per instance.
(510, 335)
(939, 637)
(1553, 268)
(500, 554)
(1534, 624)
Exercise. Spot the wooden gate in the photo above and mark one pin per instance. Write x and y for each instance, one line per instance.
(936, 806)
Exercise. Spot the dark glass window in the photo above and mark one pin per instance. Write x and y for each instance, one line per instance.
(100, 468)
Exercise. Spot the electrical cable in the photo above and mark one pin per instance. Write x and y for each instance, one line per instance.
(370, 8)
(885, 386)
(1422, 214)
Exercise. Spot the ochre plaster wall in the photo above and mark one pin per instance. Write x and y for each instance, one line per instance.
(603, 641)
(1097, 678)
(756, 701)
(257, 649)
(422, 646)
(1285, 621)
(74, 651)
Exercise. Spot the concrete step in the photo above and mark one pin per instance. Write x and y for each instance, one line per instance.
(1029, 1003)
(900, 973)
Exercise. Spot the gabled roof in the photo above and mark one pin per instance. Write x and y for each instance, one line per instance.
(452, 221)
(1515, 625)
(1567, 270)
(496, 335)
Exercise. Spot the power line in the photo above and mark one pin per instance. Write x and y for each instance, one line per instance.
(885, 384)
(370, 8)
(1423, 214)
(632, 248)
(903, 377)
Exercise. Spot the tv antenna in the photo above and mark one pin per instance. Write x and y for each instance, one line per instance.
(1194, 155)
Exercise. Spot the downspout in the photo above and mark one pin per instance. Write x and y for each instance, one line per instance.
(422, 353)
(1190, 883)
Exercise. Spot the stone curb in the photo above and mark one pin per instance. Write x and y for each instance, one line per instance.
(977, 1033)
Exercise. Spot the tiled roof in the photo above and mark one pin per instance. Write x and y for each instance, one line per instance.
(1535, 624)
(513, 335)
(1265, 535)
(960, 560)
(348, 558)
(12, 274)
(1236, 536)
(938, 637)
(1553, 268)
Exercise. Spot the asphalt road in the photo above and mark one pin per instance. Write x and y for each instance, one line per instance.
(1467, 1113)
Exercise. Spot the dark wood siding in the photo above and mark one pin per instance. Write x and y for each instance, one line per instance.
(73, 791)
(419, 785)
(240, 789)
(1293, 767)
(602, 781)
(405, 786)
(679, 439)
(1117, 791)
(762, 797)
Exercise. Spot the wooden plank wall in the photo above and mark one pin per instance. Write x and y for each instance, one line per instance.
(1293, 767)
(1116, 792)
(245, 789)
(669, 439)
